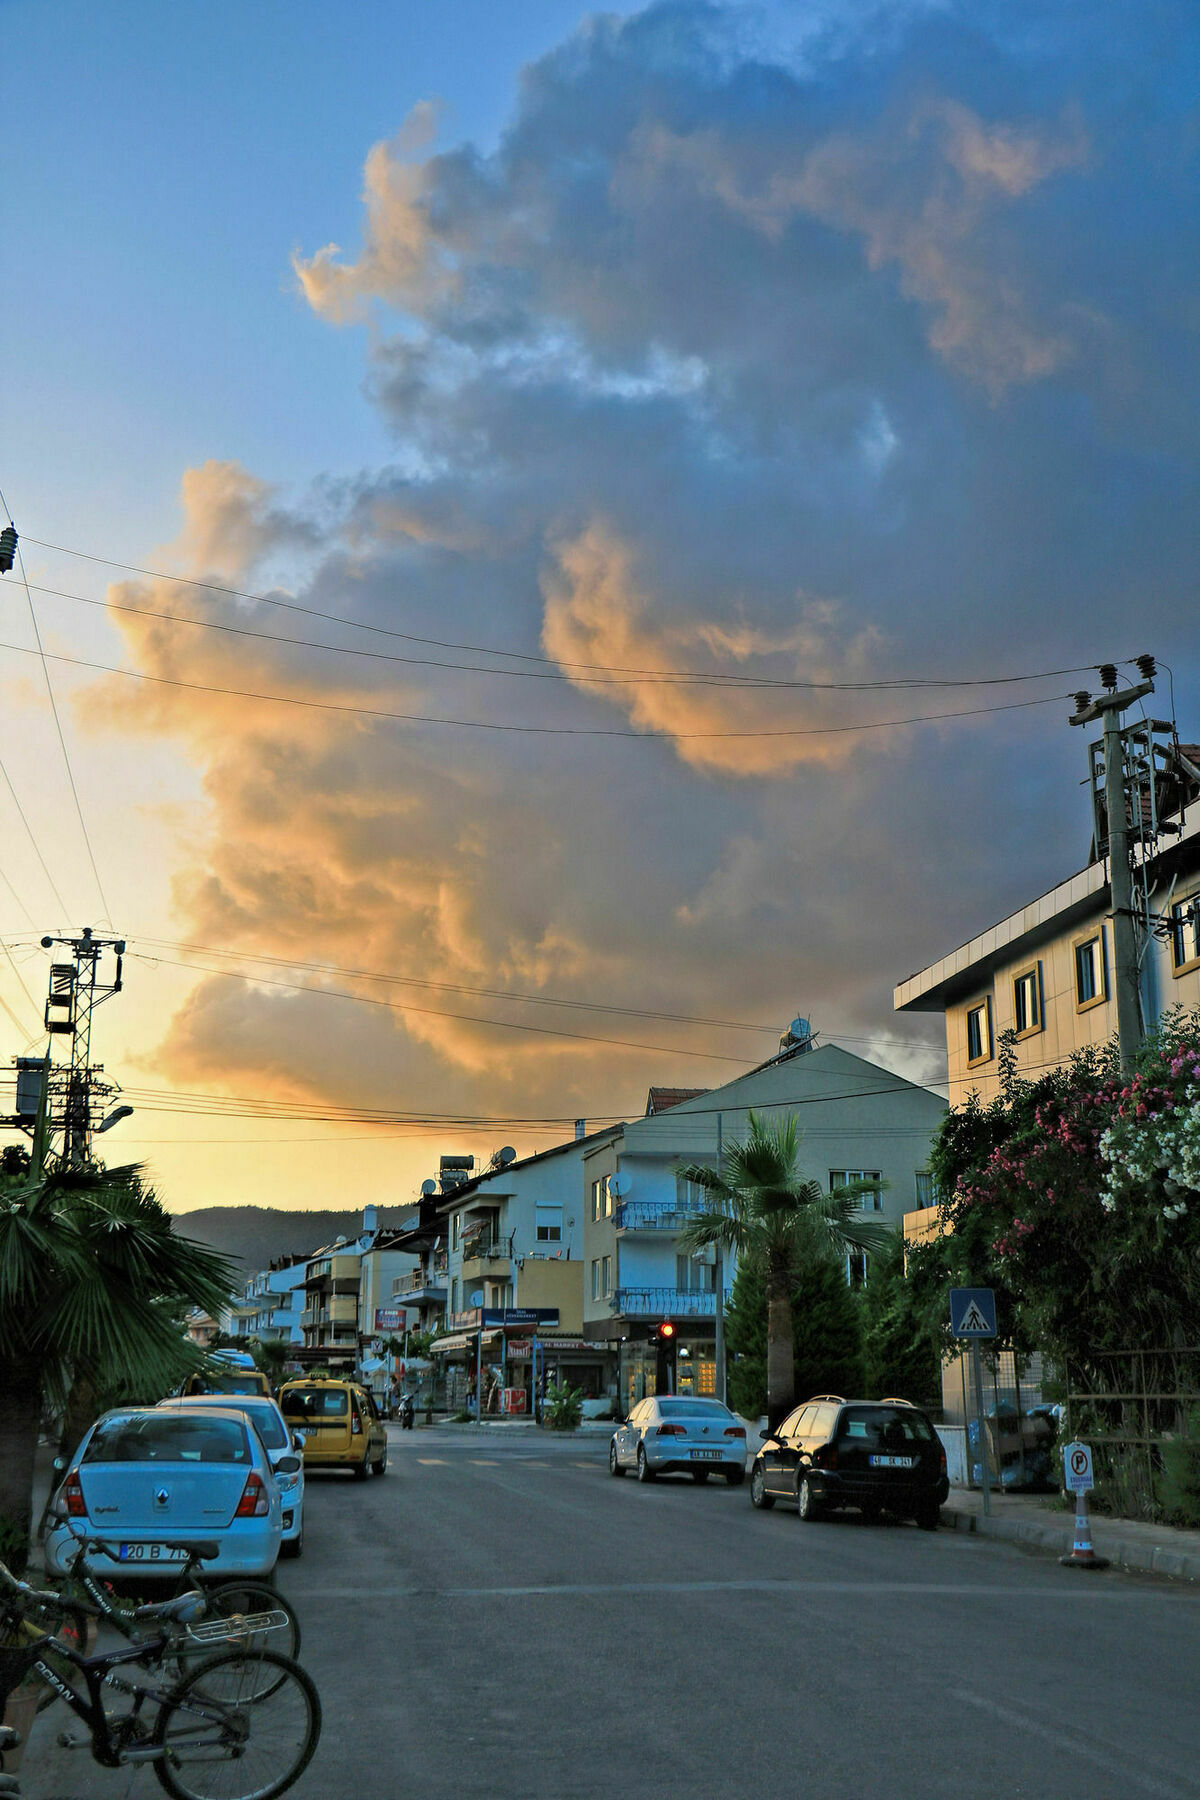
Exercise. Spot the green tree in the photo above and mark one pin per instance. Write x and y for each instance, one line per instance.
(903, 1312)
(826, 1334)
(94, 1281)
(761, 1206)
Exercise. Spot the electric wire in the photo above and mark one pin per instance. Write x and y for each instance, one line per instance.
(590, 731)
(598, 675)
(520, 655)
(58, 723)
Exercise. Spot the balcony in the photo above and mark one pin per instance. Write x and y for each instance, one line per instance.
(491, 1260)
(636, 1216)
(419, 1286)
(665, 1303)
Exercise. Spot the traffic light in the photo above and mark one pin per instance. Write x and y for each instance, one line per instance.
(664, 1334)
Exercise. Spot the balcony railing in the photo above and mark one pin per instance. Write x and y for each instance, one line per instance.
(653, 1215)
(419, 1283)
(665, 1303)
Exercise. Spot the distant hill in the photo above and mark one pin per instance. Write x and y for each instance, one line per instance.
(255, 1235)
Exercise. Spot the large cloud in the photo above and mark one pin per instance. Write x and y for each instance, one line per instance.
(869, 360)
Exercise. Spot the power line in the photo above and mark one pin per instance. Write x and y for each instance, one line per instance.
(450, 987)
(597, 674)
(371, 712)
(437, 1012)
(36, 851)
(57, 721)
(518, 655)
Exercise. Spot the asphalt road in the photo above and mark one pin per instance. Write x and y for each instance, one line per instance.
(497, 1617)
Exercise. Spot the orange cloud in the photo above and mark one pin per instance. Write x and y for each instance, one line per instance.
(597, 613)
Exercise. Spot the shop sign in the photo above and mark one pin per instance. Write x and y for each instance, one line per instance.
(519, 1318)
(391, 1318)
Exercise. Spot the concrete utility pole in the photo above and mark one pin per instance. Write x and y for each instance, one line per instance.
(1108, 709)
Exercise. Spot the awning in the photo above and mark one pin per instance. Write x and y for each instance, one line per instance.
(461, 1340)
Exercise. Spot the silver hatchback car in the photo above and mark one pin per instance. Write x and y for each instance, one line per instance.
(679, 1433)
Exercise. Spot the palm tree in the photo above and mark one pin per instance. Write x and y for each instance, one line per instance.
(761, 1207)
(94, 1281)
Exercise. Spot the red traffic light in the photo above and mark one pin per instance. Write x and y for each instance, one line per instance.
(666, 1331)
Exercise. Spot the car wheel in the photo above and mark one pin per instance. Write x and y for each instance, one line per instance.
(700, 1476)
(871, 1510)
(758, 1490)
(362, 1470)
(644, 1471)
(930, 1516)
(807, 1504)
(614, 1461)
(735, 1477)
(380, 1467)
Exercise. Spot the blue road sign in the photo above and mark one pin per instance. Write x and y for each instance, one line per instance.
(973, 1312)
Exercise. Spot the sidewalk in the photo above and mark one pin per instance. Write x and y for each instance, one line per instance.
(1036, 1520)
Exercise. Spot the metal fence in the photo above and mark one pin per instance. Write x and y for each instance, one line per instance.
(1140, 1412)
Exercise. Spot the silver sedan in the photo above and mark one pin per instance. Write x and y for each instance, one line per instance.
(679, 1433)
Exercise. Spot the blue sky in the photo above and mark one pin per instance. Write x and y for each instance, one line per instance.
(842, 345)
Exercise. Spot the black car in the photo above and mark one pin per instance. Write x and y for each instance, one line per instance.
(872, 1454)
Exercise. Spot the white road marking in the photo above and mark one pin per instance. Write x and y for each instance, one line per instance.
(1074, 1743)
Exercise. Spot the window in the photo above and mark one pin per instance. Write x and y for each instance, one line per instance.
(927, 1194)
(598, 1188)
(608, 1198)
(871, 1202)
(1185, 934)
(692, 1277)
(689, 1195)
(454, 1295)
(455, 1224)
(1091, 986)
(857, 1263)
(548, 1224)
(979, 1032)
(606, 1275)
(1027, 1000)
(595, 1278)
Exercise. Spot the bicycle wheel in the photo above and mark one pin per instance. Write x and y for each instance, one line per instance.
(225, 1741)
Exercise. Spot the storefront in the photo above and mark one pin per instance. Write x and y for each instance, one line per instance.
(691, 1369)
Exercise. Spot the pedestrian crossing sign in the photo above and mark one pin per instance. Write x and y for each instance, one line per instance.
(973, 1312)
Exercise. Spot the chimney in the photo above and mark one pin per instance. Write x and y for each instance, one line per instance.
(370, 1220)
(580, 1129)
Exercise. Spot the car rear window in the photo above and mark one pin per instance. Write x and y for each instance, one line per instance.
(315, 1403)
(168, 1438)
(269, 1426)
(235, 1384)
(876, 1425)
(693, 1409)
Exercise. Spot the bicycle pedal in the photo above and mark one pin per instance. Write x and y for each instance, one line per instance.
(68, 1741)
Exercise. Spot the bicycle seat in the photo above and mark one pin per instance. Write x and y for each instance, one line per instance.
(183, 1610)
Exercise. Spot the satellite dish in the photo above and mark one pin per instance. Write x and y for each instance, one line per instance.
(618, 1185)
(507, 1155)
(428, 1188)
(476, 1297)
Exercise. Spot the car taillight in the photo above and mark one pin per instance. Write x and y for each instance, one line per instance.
(826, 1457)
(671, 1431)
(253, 1503)
(942, 1452)
(735, 1431)
(73, 1495)
(355, 1423)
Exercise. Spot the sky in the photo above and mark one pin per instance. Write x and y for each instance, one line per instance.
(562, 540)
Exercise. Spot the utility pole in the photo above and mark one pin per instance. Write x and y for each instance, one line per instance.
(1107, 708)
(719, 1286)
(75, 992)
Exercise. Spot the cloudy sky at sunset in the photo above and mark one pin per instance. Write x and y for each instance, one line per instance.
(545, 474)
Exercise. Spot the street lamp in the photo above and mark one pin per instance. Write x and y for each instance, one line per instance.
(114, 1118)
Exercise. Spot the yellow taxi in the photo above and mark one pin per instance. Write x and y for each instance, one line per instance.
(339, 1422)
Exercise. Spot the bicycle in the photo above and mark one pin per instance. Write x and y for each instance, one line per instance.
(214, 1734)
(225, 1597)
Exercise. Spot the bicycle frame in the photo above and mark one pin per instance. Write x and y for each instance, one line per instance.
(97, 1671)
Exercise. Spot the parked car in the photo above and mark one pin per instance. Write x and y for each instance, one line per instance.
(279, 1443)
(875, 1455)
(677, 1433)
(146, 1479)
(340, 1423)
(228, 1380)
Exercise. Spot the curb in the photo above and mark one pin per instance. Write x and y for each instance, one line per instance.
(1147, 1559)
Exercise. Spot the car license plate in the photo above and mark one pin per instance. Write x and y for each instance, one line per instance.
(151, 1553)
(706, 1456)
(893, 1462)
